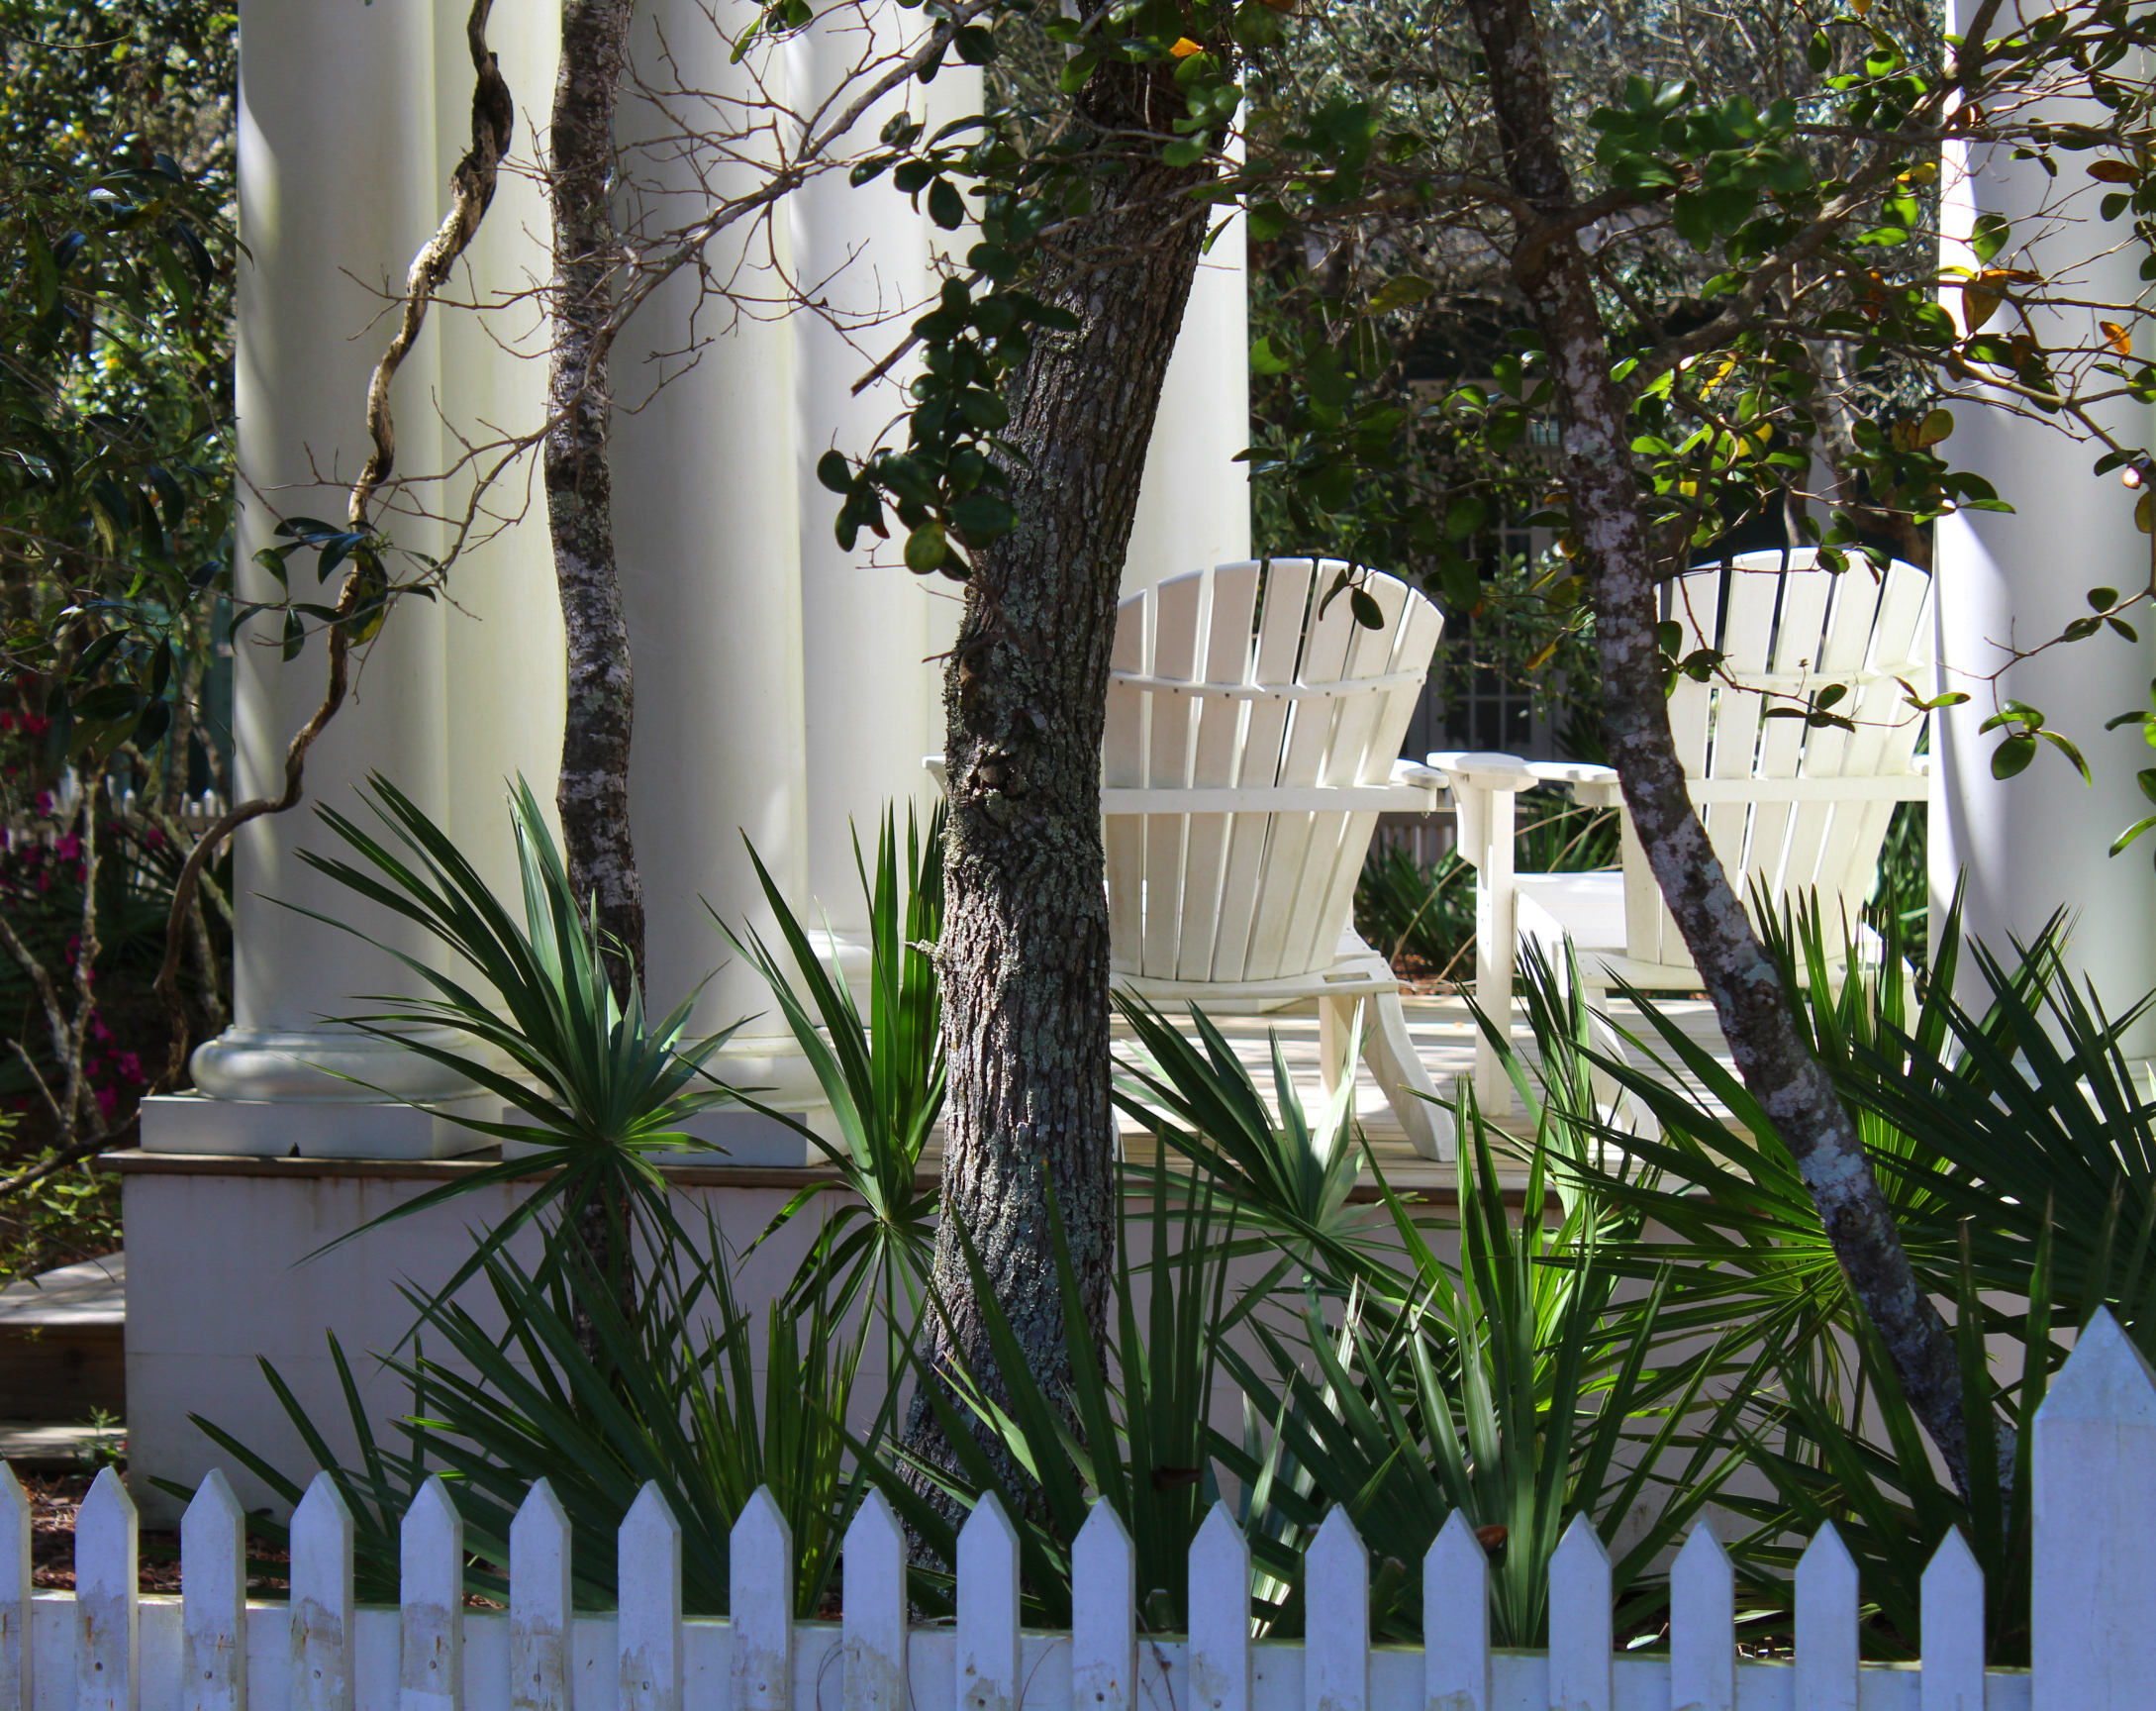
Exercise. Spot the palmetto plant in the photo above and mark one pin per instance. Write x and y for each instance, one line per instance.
(602, 1089)
(882, 1074)
(1873, 1475)
(676, 1394)
(2019, 1158)
(1516, 1386)
(1134, 1433)
(1289, 1180)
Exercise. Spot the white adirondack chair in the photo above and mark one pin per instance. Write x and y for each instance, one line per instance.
(1789, 807)
(1251, 743)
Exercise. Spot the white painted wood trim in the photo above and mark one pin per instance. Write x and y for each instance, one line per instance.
(1353, 686)
(1273, 799)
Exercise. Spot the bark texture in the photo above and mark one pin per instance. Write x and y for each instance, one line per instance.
(592, 792)
(1024, 944)
(1740, 978)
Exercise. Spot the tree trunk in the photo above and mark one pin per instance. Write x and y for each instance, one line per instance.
(1739, 976)
(1024, 946)
(592, 793)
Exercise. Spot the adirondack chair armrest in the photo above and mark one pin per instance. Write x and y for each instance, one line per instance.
(1414, 775)
(1476, 777)
(1592, 786)
(932, 764)
(1482, 769)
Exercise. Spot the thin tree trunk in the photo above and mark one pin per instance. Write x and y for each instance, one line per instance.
(1024, 946)
(593, 791)
(1739, 976)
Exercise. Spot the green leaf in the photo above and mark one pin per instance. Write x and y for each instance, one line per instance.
(946, 205)
(981, 517)
(1256, 25)
(1399, 292)
(925, 549)
(2065, 746)
(835, 473)
(1466, 515)
(1694, 221)
(2132, 832)
(1268, 219)
(1990, 236)
(984, 409)
(2012, 755)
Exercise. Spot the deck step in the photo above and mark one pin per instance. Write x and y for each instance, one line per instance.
(64, 1344)
(41, 1447)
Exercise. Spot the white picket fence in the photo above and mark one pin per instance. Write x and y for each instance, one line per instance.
(104, 1647)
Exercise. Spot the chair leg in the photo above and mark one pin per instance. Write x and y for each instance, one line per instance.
(1496, 911)
(1611, 1099)
(1390, 1052)
(1336, 1025)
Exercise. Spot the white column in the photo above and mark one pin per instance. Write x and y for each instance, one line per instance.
(2038, 843)
(1194, 505)
(707, 537)
(505, 683)
(871, 688)
(339, 182)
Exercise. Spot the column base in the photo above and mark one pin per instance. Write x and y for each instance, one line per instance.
(315, 1127)
(326, 1065)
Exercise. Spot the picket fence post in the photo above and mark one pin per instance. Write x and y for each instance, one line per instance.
(214, 1599)
(1579, 1621)
(2092, 1502)
(107, 1650)
(1703, 1625)
(542, 1670)
(1220, 1615)
(1826, 1624)
(1953, 1628)
(430, 1603)
(1337, 1648)
(1456, 1620)
(873, 1623)
(321, 1600)
(647, 1617)
(760, 1594)
(1104, 1592)
(988, 1610)
(17, 1672)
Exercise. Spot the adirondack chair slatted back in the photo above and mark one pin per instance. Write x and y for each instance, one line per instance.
(1258, 893)
(1791, 629)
